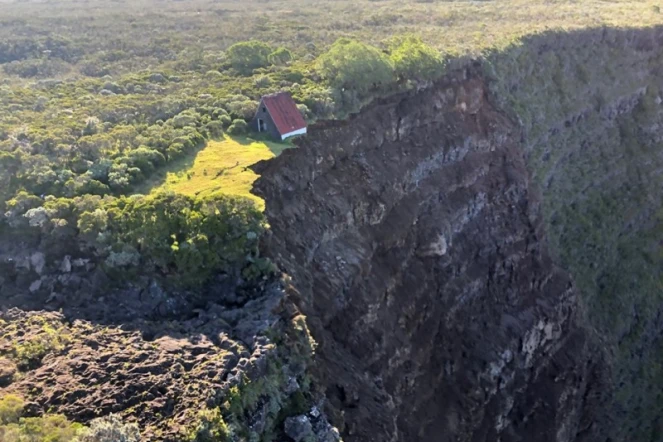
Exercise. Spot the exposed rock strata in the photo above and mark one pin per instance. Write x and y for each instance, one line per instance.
(416, 248)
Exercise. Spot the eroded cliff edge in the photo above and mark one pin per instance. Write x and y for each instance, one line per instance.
(418, 236)
(415, 244)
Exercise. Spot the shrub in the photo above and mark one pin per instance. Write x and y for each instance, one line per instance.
(244, 109)
(175, 150)
(30, 352)
(414, 60)
(91, 126)
(214, 128)
(125, 258)
(225, 120)
(281, 56)
(263, 81)
(93, 223)
(48, 428)
(246, 56)
(213, 75)
(239, 127)
(11, 409)
(305, 111)
(350, 64)
(186, 238)
(218, 113)
(146, 159)
(210, 427)
(110, 429)
(18, 206)
(186, 118)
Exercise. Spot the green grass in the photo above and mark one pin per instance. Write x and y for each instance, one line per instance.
(47, 428)
(220, 168)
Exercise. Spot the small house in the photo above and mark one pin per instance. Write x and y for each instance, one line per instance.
(278, 116)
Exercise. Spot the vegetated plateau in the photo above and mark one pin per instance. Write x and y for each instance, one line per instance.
(466, 246)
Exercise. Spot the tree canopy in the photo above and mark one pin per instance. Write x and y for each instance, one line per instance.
(246, 56)
(415, 60)
(350, 64)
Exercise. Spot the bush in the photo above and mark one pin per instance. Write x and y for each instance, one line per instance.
(263, 81)
(48, 428)
(246, 56)
(186, 118)
(110, 429)
(18, 206)
(214, 128)
(239, 127)
(146, 159)
(11, 409)
(280, 57)
(225, 120)
(350, 64)
(414, 60)
(175, 150)
(210, 427)
(243, 109)
(304, 110)
(181, 237)
(29, 353)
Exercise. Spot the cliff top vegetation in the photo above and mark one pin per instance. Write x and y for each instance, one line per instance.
(104, 100)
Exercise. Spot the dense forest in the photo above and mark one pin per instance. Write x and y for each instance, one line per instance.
(98, 99)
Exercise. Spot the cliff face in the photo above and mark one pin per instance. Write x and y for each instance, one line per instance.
(416, 248)
(590, 108)
(418, 236)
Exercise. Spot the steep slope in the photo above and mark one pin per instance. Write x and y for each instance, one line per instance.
(416, 248)
(590, 108)
(418, 236)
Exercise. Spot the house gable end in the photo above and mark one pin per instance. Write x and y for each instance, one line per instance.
(268, 125)
(278, 115)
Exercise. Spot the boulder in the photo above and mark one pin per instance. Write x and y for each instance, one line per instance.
(35, 286)
(7, 371)
(38, 261)
(65, 266)
(298, 428)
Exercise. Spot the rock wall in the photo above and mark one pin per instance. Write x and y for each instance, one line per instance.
(416, 248)
(419, 238)
(590, 108)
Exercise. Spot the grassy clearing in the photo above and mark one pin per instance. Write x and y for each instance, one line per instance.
(220, 168)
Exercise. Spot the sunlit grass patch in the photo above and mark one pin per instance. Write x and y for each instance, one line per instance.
(222, 167)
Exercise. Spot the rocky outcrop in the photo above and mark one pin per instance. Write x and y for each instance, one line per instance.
(416, 248)
(181, 366)
(248, 361)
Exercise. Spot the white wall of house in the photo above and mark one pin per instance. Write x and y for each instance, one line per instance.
(293, 133)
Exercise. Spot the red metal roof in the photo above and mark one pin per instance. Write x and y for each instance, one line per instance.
(284, 112)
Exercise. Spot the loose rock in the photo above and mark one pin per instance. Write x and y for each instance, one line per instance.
(298, 428)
